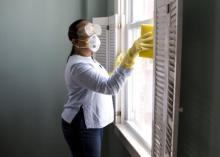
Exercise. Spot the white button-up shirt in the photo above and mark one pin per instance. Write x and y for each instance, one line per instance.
(90, 86)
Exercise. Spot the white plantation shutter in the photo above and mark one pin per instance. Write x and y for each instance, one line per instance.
(108, 50)
(113, 40)
(166, 77)
(102, 54)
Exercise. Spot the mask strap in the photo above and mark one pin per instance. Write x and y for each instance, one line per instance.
(80, 40)
(74, 44)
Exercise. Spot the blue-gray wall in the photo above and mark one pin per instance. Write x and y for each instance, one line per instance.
(96, 8)
(110, 7)
(33, 51)
(200, 95)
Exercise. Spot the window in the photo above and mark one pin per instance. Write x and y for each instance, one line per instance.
(155, 84)
(139, 91)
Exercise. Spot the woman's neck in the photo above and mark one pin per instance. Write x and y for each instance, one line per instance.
(84, 52)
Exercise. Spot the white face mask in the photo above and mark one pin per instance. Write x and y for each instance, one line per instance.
(93, 43)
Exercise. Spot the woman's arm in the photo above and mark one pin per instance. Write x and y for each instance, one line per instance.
(86, 76)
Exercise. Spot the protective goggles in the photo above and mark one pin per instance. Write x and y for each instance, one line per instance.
(90, 29)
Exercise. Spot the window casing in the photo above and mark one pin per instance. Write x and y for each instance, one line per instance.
(166, 75)
(139, 89)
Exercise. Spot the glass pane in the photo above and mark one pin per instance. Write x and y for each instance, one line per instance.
(142, 10)
(133, 34)
(140, 90)
(142, 83)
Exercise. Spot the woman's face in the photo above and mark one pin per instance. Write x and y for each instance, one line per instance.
(82, 39)
(81, 30)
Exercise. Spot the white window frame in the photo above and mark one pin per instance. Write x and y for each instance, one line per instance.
(136, 145)
(165, 130)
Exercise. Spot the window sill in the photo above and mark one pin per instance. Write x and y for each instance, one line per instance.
(134, 146)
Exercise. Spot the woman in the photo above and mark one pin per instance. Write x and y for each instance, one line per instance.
(89, 107)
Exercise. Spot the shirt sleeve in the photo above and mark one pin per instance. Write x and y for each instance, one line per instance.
(87, 77)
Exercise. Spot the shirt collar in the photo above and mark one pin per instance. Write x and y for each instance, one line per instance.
(74, 59)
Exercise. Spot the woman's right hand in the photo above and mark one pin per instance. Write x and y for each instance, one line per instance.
(143, 43)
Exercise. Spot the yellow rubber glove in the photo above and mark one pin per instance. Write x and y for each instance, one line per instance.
(143, 43)
(118, 61)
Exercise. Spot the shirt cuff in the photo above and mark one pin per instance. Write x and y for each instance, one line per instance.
(124, 71)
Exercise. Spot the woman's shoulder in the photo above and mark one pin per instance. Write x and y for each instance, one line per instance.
(76, 59)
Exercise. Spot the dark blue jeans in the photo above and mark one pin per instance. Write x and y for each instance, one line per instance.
(82, 142)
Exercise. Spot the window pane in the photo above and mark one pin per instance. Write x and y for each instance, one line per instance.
(133, 34)
(140, 85)
(142, 10)
(140, 90)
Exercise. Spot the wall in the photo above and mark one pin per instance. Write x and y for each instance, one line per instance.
(112, 146)
(110, 7)
(199, 122)
(33, 51)
(96, 8)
